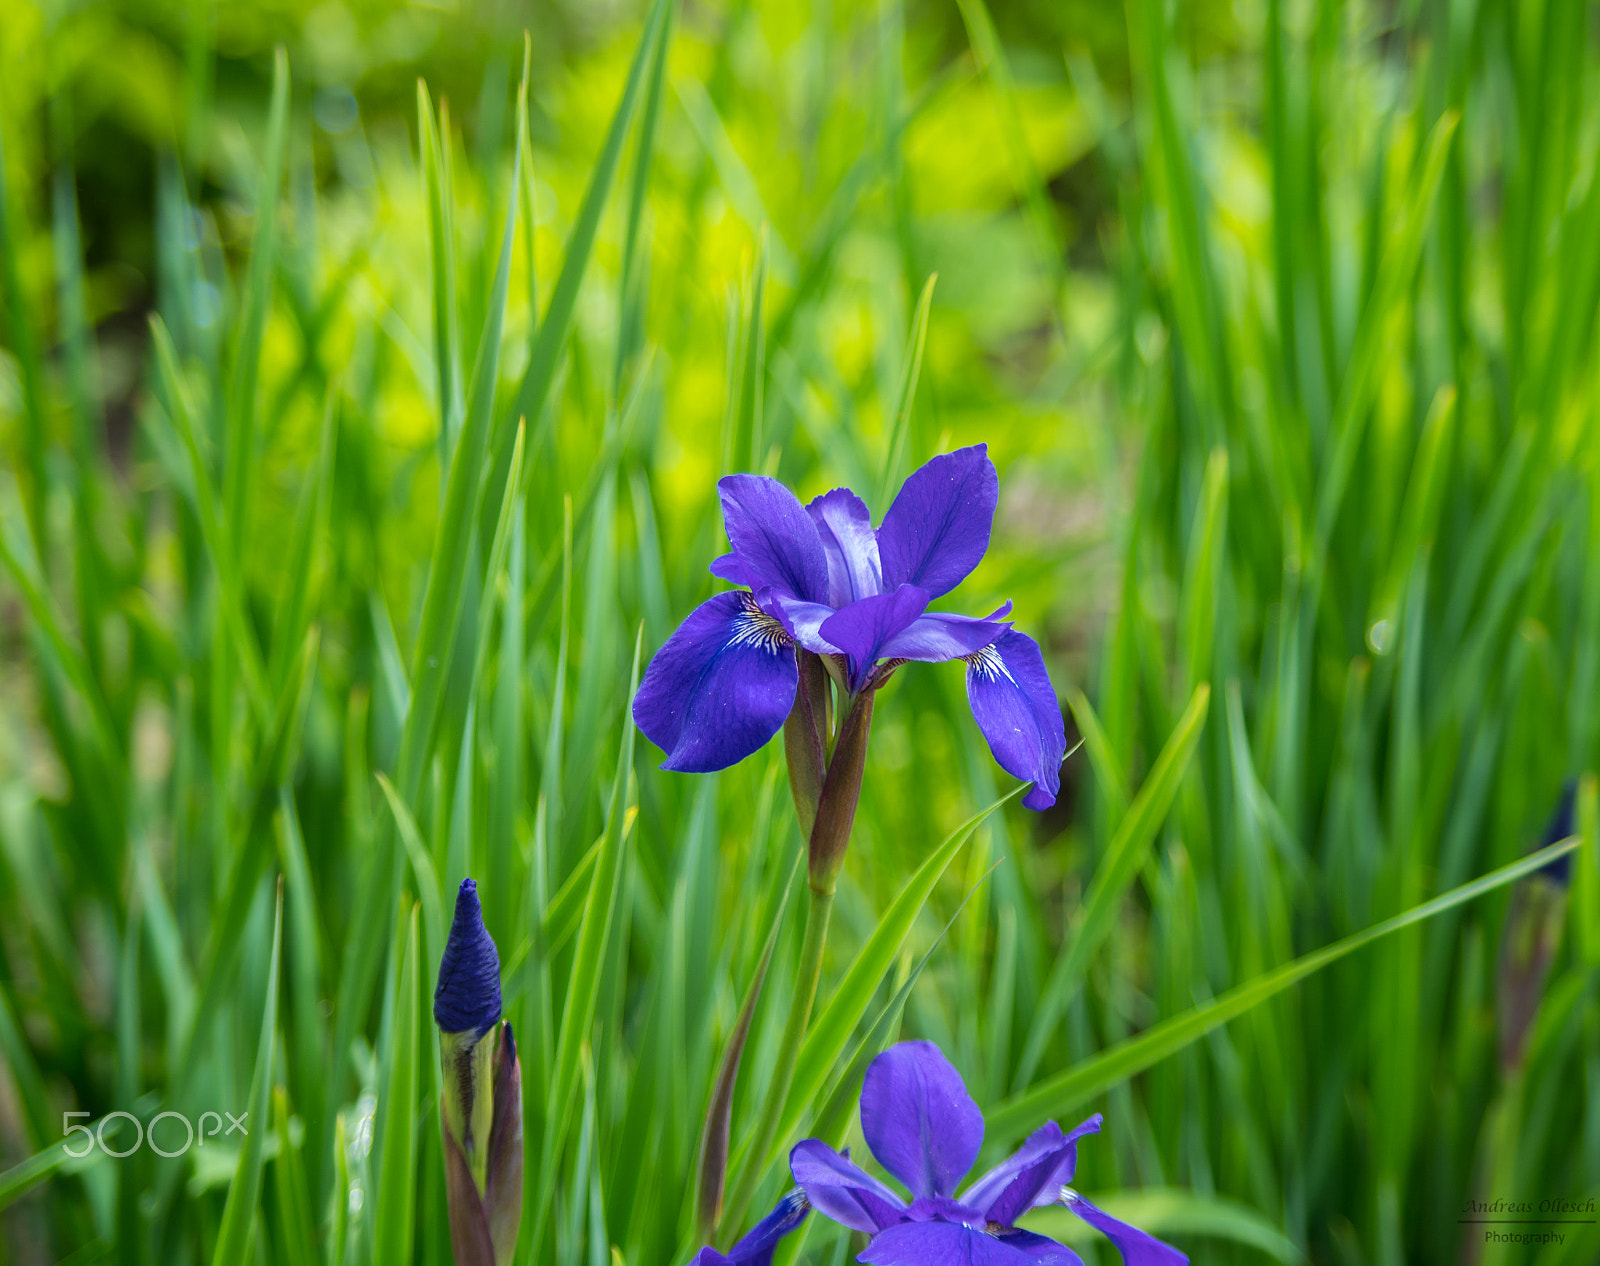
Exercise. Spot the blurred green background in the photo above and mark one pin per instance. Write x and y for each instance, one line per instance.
(1278, 319)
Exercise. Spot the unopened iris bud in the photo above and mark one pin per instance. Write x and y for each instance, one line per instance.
(1532, 936)
(481, 1105)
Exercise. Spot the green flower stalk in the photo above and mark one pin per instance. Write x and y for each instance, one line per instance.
(480, 1108)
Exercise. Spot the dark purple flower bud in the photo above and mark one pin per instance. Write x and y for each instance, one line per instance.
(480, 1109)
(467, 997)
(924, 1128)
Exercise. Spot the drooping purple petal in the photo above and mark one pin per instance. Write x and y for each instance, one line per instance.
(1046, 1141)
(941, 1244)
(841, 1190)
(845, 525)
(468, 993)
(918, 1118)
(1015, 707)
(757, 1247)
(709, 1256)
(719, 687)
(1137, 1248)
(862, 628)
(936, 636)
(773, 537)
(1040, 1249)
(937, 530)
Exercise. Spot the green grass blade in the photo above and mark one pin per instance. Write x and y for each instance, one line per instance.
(307, 541)
(894, 456)
(830, 1030)
(440, 200)
(239, 452)
(233, 1236)
(397, 1105)
(297, 1240)
(429, 894)
(578, 1014)
(557, 321)
(1060, 1095)
(1125, 855)
(447, 568)
(212, 526)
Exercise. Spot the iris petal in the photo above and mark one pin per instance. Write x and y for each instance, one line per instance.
(941, 1244)
(1015, 707)
(845, 525)
(935, 637)
(918, 1119)
(775, 540)
(841, 1190)
(938, 528)
(1045, 1141)
(757, 1247)
(1040, 1249)
(1137, 1247)
(720, 686)
(862, 628)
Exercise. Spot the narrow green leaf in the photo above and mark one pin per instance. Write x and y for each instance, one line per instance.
(297, 1239)
(397, 1106)
(900, 433)
(212, 527)
(830, 1031)
(1092, 922)
(582, 993)
(712, 1171)
(239, 453)
(429, 894)
(448, 567)
(244, 1192)
(1060, 1095)
(557, 321)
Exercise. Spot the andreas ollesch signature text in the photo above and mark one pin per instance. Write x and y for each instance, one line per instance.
(1549, 1212)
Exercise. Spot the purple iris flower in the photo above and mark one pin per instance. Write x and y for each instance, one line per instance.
(924, 1128)
(819, 578)
(756, 1248)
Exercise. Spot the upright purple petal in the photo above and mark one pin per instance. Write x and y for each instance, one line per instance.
(1137, 1248)
(935, 637)
(937, 530)
(709, 1256)
(757, 1247)
(773, 537)
(720, 686)
(1046, 1141)
(841, 1190)
(918, 1118)
(941, 1244)
(1015, 707)
(845, 525)
(862, 628)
